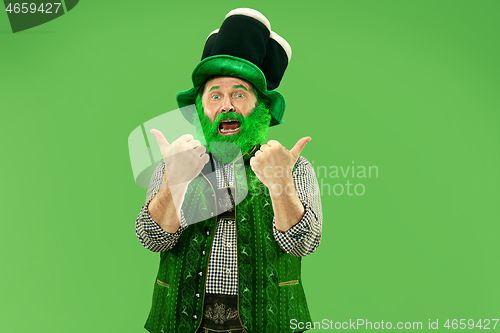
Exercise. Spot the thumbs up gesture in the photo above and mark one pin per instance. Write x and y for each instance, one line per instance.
(184, 158)
(273, 164)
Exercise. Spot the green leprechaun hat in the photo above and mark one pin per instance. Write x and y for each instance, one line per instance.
(244, 47)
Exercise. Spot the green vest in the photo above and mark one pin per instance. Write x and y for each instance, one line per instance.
(270, 292)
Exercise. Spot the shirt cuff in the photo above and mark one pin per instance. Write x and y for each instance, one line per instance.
(295, 236)
(155, 233)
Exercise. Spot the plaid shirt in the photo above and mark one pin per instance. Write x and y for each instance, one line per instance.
(222, 278)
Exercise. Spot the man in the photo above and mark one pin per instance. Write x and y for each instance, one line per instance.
(231, 217)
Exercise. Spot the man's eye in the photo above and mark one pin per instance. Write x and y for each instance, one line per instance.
(215, 97)
(240, 95)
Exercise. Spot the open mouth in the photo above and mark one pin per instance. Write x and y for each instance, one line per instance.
(229, 127)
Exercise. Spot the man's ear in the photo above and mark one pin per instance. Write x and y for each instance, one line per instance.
(261, 98)
(201, 90)
(199, 104)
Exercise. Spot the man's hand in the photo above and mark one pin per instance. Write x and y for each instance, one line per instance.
(273, 164)
(184, 158)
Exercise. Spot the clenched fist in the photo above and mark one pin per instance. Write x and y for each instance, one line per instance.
(184, 158)
(273, 164)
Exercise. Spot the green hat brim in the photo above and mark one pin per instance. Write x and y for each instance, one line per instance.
(226, 65)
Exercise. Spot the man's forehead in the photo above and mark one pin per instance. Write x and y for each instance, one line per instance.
(235, 82)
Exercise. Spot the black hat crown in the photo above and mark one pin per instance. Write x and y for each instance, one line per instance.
(246, 34)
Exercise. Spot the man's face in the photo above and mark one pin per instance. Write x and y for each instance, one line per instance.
(228, 94)
(231, 118)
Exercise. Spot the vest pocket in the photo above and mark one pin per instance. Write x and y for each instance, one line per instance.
(162, 283)
(288, 283)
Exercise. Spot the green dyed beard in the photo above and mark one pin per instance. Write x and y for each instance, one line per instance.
(226, 148)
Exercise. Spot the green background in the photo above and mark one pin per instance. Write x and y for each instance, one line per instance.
(411, 87)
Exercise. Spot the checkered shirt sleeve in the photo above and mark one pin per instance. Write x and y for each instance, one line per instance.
(151, 235)
(304, 237)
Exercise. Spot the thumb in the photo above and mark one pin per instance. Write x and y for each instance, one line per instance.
(162, 142)
(297, 149)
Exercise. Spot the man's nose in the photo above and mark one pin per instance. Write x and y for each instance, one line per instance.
(227, 106)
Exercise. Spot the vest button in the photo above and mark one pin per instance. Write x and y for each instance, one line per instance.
(198, 295)
(204, 252)
(200, 273)
(195, 317)
(208, 232)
